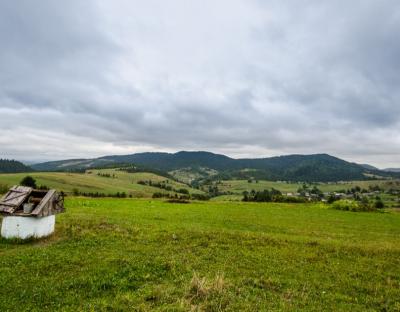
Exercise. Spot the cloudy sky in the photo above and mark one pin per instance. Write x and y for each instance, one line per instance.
(248, 78)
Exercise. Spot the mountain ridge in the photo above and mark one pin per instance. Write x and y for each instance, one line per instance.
(296, 167)
(392, 170)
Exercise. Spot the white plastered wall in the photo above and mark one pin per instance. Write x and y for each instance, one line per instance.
(26, 227)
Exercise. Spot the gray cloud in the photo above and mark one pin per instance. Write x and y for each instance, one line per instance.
(247, 78)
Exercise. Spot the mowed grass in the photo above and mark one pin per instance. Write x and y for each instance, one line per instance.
(90, 181)
(142, 255)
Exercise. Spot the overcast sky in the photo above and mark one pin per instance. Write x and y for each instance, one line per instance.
(247, 78)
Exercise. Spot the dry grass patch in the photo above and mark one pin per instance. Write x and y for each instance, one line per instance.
(204, 293)
(201, 287)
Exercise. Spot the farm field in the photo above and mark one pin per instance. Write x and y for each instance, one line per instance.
(119, 181)
(140, 254)
(239, 186)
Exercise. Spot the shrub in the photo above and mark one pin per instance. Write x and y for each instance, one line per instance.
(347, 205)
(200, 197)
(331, 199)
(160, 195)
(351, 205)
(28, 181)
(289, 199)
(183, 191)
(379, 204)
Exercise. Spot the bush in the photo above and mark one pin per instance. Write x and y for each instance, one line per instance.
(160, 195)
(290, 199)
(344, 204)
(272, 195)
(351, 205)
(331, 199)
(28, 181)
(200, 197)
(379, 204)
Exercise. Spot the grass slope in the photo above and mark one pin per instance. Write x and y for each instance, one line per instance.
(141, 255)
(123, 182)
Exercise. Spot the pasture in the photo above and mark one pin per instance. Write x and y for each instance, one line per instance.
(141, 255)
(108, 181)
(239, 186)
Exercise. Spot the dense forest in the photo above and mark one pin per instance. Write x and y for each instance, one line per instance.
(13, 166)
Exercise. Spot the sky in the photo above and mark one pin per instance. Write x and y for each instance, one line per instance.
(246, 78)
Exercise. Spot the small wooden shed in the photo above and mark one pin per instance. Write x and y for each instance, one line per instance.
(28, 212)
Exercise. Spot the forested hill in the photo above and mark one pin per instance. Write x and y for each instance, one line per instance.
(318, 167)
(13, 166)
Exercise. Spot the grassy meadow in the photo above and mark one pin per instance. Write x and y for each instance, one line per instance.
(141, 255)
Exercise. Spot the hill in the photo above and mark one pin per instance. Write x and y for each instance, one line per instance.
(105, 181)
(13, 166)
(392, 170)
(369, 167)
(318, 167)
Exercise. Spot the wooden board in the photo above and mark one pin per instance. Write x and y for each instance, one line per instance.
(14, 198)
(52, 203)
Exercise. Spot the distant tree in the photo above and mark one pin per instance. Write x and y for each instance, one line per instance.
(331, 199)
(28, 181)
(364, 203)
(379, 204)
(183, 191)
(245, 196)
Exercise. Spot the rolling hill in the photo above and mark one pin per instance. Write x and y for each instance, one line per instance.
(105, 181)
(392, 170)
(318, 167)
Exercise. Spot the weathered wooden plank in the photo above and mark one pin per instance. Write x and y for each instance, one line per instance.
(14, 198)
(7, 209)
(39, 210)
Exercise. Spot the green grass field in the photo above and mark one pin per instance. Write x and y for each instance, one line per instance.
(142, 255)
(91, 182)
